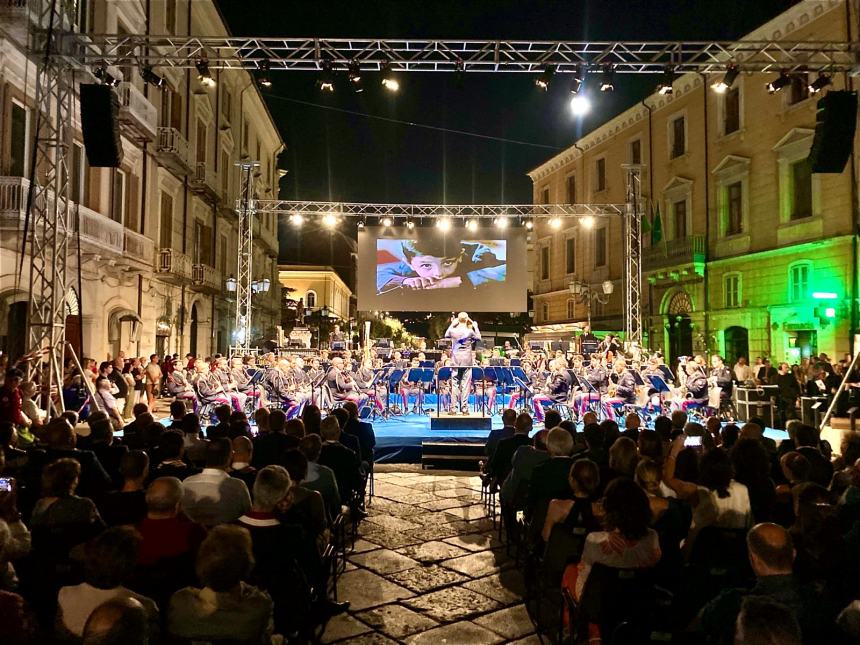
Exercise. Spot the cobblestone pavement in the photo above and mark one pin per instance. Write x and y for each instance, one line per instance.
(428, 568)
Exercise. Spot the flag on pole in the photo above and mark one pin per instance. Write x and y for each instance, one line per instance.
(656, 227)
(646, 224)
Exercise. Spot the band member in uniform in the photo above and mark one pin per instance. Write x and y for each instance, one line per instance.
(336, 336)
(208, 384)
(557, 387)
(364, 376)
(179, 387)
(242, 379)
(721, 376)
(696, 384)
(463, 332)
(229, 384)
(484, 387)
(411, 388)
(622, 391)
(596, 375)
(342, 385)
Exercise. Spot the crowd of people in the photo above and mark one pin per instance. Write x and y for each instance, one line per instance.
(169, 532)
(703, 533)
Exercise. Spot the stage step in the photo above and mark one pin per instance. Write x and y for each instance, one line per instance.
(481, 425)
(452, 455)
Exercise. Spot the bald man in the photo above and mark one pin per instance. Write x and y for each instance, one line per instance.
(240, 467)
(119, 621)
(771, 555)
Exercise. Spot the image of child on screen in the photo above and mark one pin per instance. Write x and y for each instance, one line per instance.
(431, 264)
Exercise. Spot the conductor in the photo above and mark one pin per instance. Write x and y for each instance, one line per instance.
(463, 332)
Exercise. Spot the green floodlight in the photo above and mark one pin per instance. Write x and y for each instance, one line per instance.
(824, 295)
(830, 312)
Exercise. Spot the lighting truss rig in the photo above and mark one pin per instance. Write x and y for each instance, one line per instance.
(460, 55)
(436, 211)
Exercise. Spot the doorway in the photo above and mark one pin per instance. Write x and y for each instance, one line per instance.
(802, 343)
(16, 329)
(192, 332)
(162, 345)
(680, 336)
(737, 344)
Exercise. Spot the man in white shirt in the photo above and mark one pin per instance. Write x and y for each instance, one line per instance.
(213, 497)
(743, 372)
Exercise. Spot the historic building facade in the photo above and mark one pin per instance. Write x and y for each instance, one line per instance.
(158, 235)
(754, 255)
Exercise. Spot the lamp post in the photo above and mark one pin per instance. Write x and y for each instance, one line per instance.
(584, 292)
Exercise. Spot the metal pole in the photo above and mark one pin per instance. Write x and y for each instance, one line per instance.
(839, 391)
(245, 257)
(633, 255)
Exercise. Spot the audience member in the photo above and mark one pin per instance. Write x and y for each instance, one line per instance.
(213, 497)
(320, 478)
(361, 430)
(269, 448)
(118, 621)
(240, 467)
(499, 465)
(171, 450)
(128, 504)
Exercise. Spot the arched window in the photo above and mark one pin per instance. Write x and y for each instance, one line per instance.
(311, 300)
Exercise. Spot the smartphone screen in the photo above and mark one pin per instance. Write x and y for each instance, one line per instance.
(7, 484)
(694, 442)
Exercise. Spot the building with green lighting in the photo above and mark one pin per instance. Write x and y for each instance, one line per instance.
(748, 253)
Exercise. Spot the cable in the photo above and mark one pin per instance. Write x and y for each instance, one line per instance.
(413, 124)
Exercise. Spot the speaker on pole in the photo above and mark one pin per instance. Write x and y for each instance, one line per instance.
(835, 123)
(100, 125)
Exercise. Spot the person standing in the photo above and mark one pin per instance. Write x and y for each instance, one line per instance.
(462, 331)
(153, 380)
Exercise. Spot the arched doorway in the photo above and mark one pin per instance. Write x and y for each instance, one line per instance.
(737, 343)
(192, 332)
(73, 323)
(16, 329)
(679, 325)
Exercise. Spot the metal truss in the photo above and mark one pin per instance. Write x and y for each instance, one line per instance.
(457, 55)
(633, 255)
(435, 211)
(245, 260)
(48, 204)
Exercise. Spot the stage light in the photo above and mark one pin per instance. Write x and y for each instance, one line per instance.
(389, 81)
(360, 224)
(820, 83)
(410, 224)
(607, 80)
(578, 80)
(459, 73)
(472, 225)
(580, 105)
(544, 79)
(555, 223)
(386, 222)
(326, 79)
(329, 220)
(204, 74)
(151, 77)
(353, 73)
(501, 222)
(722, 85)
(778, 83)
(297, 219)
(587, 221)
(105, 76)
(443, 224)
(264, 80)
(664, 87)
(529, 225)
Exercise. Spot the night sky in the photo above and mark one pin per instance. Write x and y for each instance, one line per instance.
(342, 157)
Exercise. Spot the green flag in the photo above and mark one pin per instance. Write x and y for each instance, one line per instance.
(646, 224)
(656, 227)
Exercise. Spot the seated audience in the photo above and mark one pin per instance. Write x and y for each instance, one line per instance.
(269, 448)
(102, 445)
(342, 461)
(320, 478)
(361, 430)
(121, 620)
(240, 467)
(171, 449)
(500, 464)
(128, 504)
(213, 497)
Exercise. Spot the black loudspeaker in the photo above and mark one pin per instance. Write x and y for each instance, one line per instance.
(100, 125)
(834, 131)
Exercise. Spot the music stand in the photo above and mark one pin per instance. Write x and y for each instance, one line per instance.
(319, 383)
(379, 375)
(589, 391)
(394, 379)
(444, 374)
(424, 376)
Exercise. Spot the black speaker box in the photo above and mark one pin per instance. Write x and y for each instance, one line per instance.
(100, 125)
(835, 123)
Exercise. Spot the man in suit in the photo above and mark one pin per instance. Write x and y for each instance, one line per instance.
(241, 467)
(109, 455)
(499, 465)
(507, 431)
(270, 447)
(343, 461)
(348, 440)
(361, 430)
(550, 479)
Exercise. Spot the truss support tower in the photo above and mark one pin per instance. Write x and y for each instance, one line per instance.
(245, 263)
(633, 255)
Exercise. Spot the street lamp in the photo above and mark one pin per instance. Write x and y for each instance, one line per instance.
(584, 292)
(231, 284)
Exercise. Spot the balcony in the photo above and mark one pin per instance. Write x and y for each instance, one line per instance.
(204, 182)
(264, 235)
(552, 285)
(173, 266)
(172, 151)
(137, 113)
(100, 232)
(138, 247)
(688, 250)
(206, 279)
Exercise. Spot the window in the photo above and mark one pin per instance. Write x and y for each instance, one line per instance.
(544, 311)
(197, 243)
(571, 189)
(227, 105)
(165, 234)
(76, 174)
(570, 254)
(571, 309)
(225, 174)
(245, 138)
(311, 300)
(734, 204)
(732, 290)
(798, 281)
(544, 263)
(600, 246)
(223, 255)
(18, 138)
(600, 174)
(201, 141)
(801, 189)
(83, 15)
(678, 137)
(170, 16)
(732, 110)
(544, 196)
(799, 89)
(679, 219)
(636, 152)
(118, 196)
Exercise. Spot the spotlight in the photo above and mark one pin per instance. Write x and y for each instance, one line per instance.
(778, 83)
(410, 224)
(578, 80)
(580, 105)
(820, 83)
(353, 73)
(329, 220)
(326, 79)
(105, 76)
(529, 225)
(501, 222)
(204, 74)
(587, 221)
(264, 79)
(459, 73)
(386, 222)
(297, 219)
(722, 85)
(443, 224)
(607, 80)
(151, 77)
(555, 223)
(389, 81)
(360, 224)
(472, 225)
(664, 87)
(544, 79)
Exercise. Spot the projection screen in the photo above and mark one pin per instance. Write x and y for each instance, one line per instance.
(426, 269)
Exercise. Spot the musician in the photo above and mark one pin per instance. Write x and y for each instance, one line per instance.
(179, 387)
(364, 376)
(557, 387)
(610, 344)
(622, 391)
(398, 362)
(486, 387)
(341, 384)
(315, 371)
(242, 379)
(696, 384)
(463, 332)
(280, 382)
(336, 336)
(209, 387)
(411, 388)
(596, 375)
(224, 374)
(721, 376)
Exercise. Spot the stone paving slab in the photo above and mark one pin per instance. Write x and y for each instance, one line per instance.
(365, 589)
(512, 623)
(436, 486)
(433, 551)
(363, 545)
(467, 493)
(397, 621)
(392, 523)
(461, 633)
(440, 504)
(473, 512)
(383, 561)
(425, 579)
(343, 626)
(452, 604)
(474, 541)
(478, 565)
(507, 587)
(393, 539)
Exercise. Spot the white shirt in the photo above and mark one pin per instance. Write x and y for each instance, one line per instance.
(743, 372)
(732, 512)
(213, 497)
(78, 602)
